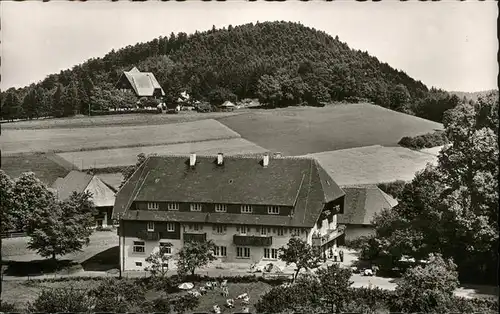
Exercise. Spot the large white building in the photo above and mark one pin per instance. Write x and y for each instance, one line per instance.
(248, 206)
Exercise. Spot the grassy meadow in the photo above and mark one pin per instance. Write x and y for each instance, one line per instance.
(128, 156)
(306, 130)
(77, 139)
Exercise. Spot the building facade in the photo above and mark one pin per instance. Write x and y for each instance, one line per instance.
(249, 207)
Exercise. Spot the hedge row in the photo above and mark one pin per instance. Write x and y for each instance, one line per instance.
(116, 112)
(428, 140)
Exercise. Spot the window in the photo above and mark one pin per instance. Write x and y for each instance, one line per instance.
(246, 209)
(196, 207)
(243, 252)
(170, 226)
(219, 229)
(242, 229)
(138, 264)
(151, 226)
(263, 231)
(273, 210)
(173, 206)
(280, 231)
(167, 247)
(139, 247)
(220, 208)
(271, 253)
(153, 206)
(220, 251)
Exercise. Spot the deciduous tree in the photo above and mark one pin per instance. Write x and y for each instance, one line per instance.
(194, 255)
(298, 252)
(335, 282)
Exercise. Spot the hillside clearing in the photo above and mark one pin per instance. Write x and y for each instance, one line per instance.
(373, 164)
(67, 140)
(305, 130)
(128, 156)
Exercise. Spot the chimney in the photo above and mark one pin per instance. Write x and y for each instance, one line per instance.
(265, 160)
(192, 160)
(220, 159)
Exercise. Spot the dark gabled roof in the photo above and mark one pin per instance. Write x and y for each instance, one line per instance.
(240, 180)
(75, 181)
(362, 203)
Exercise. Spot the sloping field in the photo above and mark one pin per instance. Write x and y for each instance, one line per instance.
(67, 140)
(46, 167)
(115, 120)
(373, 164)
(299, 131)
(128, 156)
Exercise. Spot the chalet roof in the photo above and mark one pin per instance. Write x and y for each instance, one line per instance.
(362, 203)
(143, 83)
(240, 180)
(79, 182)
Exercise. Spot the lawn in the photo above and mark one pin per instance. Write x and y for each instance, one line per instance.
(77, 139)
(373, 164)
(115, 120)
(47, 167)
(128, 156)
(21, 292)
(305, 130)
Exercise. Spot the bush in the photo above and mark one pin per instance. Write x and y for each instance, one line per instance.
(62, 300)
(394, 188)
(6, 307)
(204, 107)
(465, 305)
(114, 295)
(370, 299)
(184, 303)
(428, 140)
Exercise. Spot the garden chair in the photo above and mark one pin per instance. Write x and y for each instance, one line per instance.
(230, 303)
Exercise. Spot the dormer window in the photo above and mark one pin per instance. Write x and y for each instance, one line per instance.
(153, 206)
(220, 208)
(273, 210)
(173, 206)
(246, 209)
(151, 226)
(196, 207)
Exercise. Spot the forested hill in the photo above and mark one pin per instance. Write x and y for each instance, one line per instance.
(281, 63)
(474, 96)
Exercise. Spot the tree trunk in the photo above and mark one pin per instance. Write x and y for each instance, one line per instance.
(296, 274)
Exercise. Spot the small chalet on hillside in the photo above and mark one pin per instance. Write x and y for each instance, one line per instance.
(143, 84)
(103, 195)
(249, 206)
(361, 204)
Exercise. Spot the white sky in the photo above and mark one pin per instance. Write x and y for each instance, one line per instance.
(447, 44)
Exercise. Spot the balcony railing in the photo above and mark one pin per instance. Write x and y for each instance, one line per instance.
(195, 237)
(252, 240)
(332, 234)
(148, 235)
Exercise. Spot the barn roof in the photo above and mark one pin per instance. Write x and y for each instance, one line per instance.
(76, 181)
(362, 203)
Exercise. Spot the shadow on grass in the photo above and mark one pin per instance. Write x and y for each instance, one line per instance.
(103, 261)
(40, 267)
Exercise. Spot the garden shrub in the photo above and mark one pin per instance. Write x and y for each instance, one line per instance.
(185, 303)
(6, 307)
(114, 295)
(62, 300)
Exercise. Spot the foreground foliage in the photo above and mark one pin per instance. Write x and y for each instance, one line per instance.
(451, 209)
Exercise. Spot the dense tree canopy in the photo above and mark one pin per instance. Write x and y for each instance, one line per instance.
(281, 63)
(452, 208)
